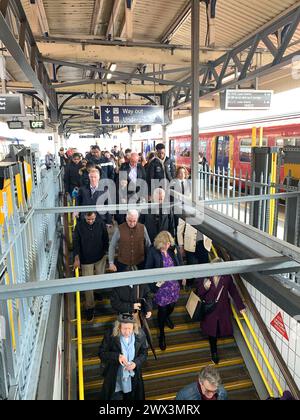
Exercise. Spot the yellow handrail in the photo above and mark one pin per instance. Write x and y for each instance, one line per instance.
(70, 227)
(272, 191)
(79, 332)
(260, 370)
(260, 349)
(79, 343)
(262, 352)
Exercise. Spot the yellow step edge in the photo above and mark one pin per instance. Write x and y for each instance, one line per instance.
(93, 361)
(106, 301)
(232, 386)
(112, 317)
(195, 367)
(177, 328)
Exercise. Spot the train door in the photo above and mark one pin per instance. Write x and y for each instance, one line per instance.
(222, 152)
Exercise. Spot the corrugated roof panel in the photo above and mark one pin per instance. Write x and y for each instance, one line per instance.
(69, 16)
(152, 19)
(235, 20)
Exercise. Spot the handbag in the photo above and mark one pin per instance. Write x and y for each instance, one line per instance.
(198, 308)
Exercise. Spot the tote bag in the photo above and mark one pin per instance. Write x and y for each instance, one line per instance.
(193, 307)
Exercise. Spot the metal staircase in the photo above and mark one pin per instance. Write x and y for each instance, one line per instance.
(187, 352)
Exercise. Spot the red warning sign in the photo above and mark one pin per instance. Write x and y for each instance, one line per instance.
(278, 324)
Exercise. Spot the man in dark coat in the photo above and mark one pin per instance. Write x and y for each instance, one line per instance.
(161, 219)
(72, 176)
(90, 245)
(132, 299)
(161, 168)
(117, 363)
(106, 165)
(89, 196)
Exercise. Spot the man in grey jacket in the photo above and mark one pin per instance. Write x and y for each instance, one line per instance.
(207, 387)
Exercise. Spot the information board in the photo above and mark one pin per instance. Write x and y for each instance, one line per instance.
(12, 105)
(246, 99)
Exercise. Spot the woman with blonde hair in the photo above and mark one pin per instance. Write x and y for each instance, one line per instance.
(122, 352)
(164, 253)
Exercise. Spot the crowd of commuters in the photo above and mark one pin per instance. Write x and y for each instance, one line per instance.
(120, 242)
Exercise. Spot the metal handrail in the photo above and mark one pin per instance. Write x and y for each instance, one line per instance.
(79, 333)
(257, 364)
(266, 334)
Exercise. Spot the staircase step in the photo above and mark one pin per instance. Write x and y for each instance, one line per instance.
(164, 373)
(109, 318)
(181, 348)
(182, 337)
(178, 328)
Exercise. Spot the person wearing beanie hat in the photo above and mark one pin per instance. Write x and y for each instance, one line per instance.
(123, 351)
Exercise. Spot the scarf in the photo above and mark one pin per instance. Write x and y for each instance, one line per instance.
(124, 376)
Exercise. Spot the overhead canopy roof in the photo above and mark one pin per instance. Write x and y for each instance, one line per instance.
(151, 44)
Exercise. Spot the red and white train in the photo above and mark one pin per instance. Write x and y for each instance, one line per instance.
(230, 144)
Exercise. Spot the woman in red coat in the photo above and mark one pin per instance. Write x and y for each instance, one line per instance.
(218, 323)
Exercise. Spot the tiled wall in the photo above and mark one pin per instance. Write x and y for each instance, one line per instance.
(289, 349)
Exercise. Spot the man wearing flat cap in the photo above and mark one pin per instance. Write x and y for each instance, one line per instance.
(123, 351)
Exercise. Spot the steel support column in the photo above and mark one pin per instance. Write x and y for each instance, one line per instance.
(195, 97)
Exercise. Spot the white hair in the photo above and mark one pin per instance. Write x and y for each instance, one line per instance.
(158, 191)
(132, 213)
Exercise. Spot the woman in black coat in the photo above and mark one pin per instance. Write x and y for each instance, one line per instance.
(130, 299)
(116, 361)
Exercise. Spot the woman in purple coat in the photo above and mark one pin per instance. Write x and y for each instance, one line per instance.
(165, 254)
(218, 323)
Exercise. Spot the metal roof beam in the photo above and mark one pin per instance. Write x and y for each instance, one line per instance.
(121, 75)
(112, 88)
(264, 64)
(93, 53)
(28, 58)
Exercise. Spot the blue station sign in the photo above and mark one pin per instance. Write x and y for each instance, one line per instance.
(131, 115)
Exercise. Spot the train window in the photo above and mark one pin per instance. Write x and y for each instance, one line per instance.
(185, 149)
(293, 141)
(279, 142)
(245, 150)
(202, 147)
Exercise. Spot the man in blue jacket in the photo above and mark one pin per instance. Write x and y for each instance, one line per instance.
(207, 387)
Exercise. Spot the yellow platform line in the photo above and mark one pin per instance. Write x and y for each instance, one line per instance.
(94, 361)
(195, 367)
(232, 386)
(182, 327)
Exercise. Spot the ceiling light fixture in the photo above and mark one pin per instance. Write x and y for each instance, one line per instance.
(109, 76)
(113, 67)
